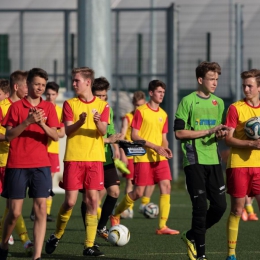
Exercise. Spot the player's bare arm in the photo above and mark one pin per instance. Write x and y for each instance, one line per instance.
(231, 141)
(159, 149)
(71, 127)
(61, 132)
(165, 144)
(101, 126)
(193, 134)
(13, 132)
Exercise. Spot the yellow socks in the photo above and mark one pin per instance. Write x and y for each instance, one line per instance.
(164, 207)
(145, 200)
(21, 230)
(232, 232)
(48, 205)
(123, 205)
(62, 220)
(91, 229)
(131, 206)
(249, 209)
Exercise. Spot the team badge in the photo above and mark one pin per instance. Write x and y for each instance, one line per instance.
(160, 119)
(214, 102)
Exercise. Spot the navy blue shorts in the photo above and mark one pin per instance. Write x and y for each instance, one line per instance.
(38, 180)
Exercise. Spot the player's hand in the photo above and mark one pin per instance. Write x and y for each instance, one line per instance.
(96, 117)
(221, 134)
(33, 116)
(217, 128)
(41, 114)
(256, 144)
(169, 153)
(114, 138)
(82, 117)
(162, 151)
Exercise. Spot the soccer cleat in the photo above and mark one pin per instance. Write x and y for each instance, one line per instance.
(114, 220)
(51, 244)
(3, 254)
(231, 257)
(11, 240)
(191, 247)
(244, 215)
(202, 258)
(167, 231)
(92, 251)
(28, 246)
(141, 208)
(252, 217)
(103, 233)
(121, 166)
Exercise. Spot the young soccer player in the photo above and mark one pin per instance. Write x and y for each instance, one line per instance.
(18, 90)
(243, 167)
(51, 93)
(198, 125)
(29, 122)
(111, 180)
(150, 123)
(4, 89)
(85, 118)
(138, 100)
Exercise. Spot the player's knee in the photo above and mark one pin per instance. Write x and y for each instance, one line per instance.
(69, 204)
(113, 191)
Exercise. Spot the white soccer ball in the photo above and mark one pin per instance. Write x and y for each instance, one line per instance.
(119, 235)
(151, 210)
(252, 128)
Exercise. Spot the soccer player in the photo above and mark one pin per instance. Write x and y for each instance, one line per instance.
(111, 180)
(29, 123)
(198, 125)
(150, 123)
(4, 89)
(85, 118)
(51, 93)
(18, 90)
(243, 167)
(138, 100)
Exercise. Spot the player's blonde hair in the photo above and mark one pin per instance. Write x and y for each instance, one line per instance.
(253, 73)
(138, 95)
(85, 72)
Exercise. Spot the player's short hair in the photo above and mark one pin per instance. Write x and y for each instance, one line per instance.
(37, 72)
(154, 84)
(100, 84)
(205, 67)
(5, 86)
(253, 73)
(85, 72)
(17, 77)
(138, 95)
(53, 86)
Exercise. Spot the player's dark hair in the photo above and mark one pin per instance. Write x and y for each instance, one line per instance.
(138, 95)
(154, 84)
(205, 67)
(85, 72)
(100, 84)
(253, 73)
(53, 86)
(37, 72)
(5, 86)
(17, 77)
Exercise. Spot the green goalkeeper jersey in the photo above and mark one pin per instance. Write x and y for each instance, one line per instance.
(198, 113)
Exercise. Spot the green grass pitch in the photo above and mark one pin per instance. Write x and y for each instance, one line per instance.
(144, 243)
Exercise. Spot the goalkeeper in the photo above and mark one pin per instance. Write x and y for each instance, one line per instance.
(150, 123)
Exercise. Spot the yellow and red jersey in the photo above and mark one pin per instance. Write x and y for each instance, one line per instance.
(85, 144)
(152, 124)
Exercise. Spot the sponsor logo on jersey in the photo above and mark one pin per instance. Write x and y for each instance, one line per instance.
(205, 122)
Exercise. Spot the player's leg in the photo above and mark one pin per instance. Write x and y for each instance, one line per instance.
(162, 176)
(237, 180)
(248, 212)
(146, 197)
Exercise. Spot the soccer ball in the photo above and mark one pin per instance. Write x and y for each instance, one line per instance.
(119, 235)
(128, 213)
(252, 128)
(151, 210)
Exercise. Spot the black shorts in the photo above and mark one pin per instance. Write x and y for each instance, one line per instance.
(205, 179)
(110, 176)
(38, 180)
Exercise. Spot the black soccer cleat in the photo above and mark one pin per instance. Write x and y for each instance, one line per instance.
(51, 244)
(3, 254)
(92, 251)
